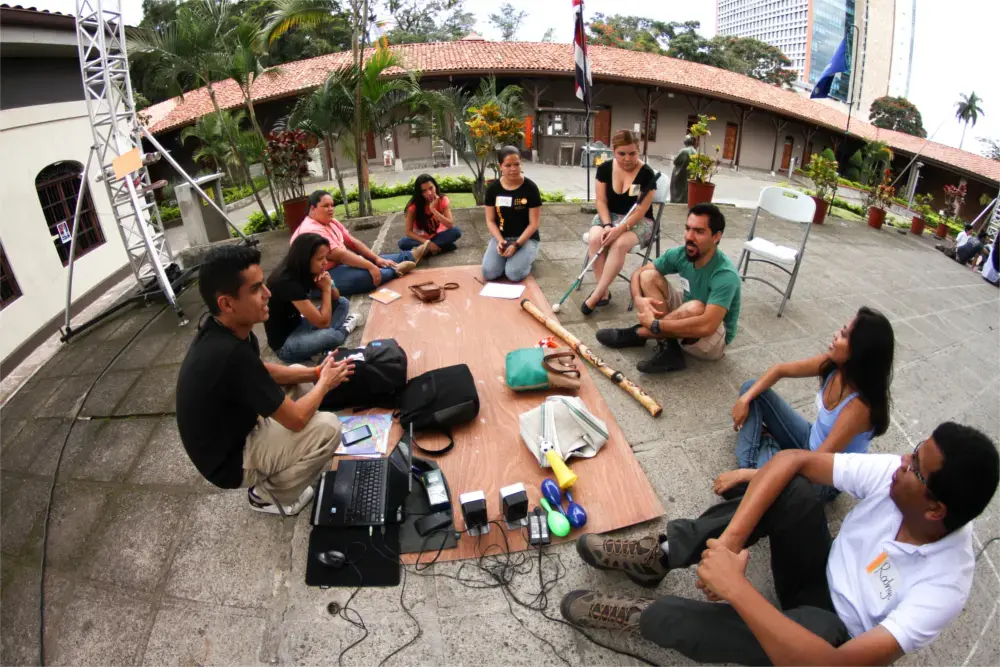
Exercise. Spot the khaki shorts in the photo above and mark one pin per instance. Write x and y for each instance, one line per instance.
(709, 348)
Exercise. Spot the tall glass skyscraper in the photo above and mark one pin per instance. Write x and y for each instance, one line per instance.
(808, 32)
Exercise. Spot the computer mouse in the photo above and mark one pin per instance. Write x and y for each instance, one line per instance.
(333, 559)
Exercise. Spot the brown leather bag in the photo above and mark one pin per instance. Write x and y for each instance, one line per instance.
(560, 364)
(431, 292)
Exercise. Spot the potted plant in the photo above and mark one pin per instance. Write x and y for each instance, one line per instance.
(922, 210)
(954, 197)
(879, 198)
(288, 152)
(701, 167)
(823, 172)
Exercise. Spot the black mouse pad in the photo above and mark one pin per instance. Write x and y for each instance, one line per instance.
(371, 560)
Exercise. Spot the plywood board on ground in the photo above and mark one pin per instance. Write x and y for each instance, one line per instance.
(489, 453)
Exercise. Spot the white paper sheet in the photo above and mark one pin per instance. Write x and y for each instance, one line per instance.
(502, 291)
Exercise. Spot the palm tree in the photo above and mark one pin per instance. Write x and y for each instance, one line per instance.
(289, 14)
(327, 113)
(447, 114)
(214, 149)
(193, 47)
(967, 110)
(240, 62)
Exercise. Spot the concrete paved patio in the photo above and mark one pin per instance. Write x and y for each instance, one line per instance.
(150, 564)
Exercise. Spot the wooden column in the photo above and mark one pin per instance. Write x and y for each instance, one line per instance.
(648, 100)
(536, 89)
(779, 125)
(807, 133)
(744, 112)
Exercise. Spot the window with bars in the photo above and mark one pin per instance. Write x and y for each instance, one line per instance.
(9, 289)
(58, 186)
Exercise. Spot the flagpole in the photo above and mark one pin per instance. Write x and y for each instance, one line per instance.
(850, 104)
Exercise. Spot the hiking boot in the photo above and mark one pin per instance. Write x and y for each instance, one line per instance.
(619, 338)
(604, 611)
(353, 321)
(419, 252)
(668, 357)
(641, 560)
(258, 504)
(405, 267)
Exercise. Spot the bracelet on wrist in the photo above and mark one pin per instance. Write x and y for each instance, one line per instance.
(318, 370)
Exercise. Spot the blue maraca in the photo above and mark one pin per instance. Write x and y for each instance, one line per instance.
(575, 513)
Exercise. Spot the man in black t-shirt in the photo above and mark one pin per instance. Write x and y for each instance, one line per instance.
(245, 422)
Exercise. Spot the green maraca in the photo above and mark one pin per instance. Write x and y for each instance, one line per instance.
(558, 523)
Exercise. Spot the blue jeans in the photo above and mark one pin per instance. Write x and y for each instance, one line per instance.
(351, 280)
(308, 339)
(788, 429)
(445, 240)
(515, 268)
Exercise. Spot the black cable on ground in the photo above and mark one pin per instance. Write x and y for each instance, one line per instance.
(983, 548)
(501, 566)
(55, 475)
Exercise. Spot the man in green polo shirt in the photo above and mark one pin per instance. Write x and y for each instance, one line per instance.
(700, 315)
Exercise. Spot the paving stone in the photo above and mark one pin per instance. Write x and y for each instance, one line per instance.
(81, 438)
(185, 633)
(20, 452)
(153, 392)
(319, 642)
(19, 614)
(22, 501)
(142, 352)
(25, 403)
(132, 551)
(118, 446)
(101, 626)
(108, 392)
(164, 460)
(76, 513)
(67, 398)
(228, 554)
(175, 350)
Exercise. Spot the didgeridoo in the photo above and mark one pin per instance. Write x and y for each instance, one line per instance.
(618, 378)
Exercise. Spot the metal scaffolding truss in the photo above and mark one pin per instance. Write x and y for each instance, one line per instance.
(100, 32)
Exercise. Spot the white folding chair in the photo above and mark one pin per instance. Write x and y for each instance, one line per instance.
(789, 205)
(660, 199)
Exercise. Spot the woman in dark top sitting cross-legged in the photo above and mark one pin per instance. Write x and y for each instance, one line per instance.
(619, 183)
(513, 207)
(296, 328)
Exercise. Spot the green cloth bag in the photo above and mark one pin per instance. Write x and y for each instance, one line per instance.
(525, 371)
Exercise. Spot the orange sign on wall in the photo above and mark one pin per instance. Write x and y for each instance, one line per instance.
(529, 135)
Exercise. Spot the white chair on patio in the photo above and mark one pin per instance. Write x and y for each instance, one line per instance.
(660, 199)
(789, 205)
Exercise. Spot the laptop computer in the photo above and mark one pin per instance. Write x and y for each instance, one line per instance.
(369, 492)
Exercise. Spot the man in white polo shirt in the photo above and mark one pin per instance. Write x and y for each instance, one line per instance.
(897, 574)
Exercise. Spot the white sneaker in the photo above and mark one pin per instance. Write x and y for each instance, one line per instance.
(353, 321)
(258, 504)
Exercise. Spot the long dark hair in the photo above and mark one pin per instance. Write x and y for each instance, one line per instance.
(421, 219)
(869, 368)
(296, 264)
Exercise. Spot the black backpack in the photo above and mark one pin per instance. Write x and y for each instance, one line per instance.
(377, 380)
(438, 400)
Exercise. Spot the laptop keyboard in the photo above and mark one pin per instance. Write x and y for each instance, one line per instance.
(368, 503)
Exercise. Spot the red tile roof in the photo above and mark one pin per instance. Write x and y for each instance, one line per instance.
(609, 65)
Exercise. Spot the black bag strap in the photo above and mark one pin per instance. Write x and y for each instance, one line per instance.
(437, 452)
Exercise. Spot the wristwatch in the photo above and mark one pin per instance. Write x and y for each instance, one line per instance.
(655, 327)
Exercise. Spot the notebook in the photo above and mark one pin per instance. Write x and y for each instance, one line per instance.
(384, 295)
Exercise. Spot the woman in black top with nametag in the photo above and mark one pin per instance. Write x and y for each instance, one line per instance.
(619, 183)
(513, 207)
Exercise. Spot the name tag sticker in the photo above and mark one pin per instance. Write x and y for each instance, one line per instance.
(883, 577)
(505, 201)
(685, 284)
(634, 190)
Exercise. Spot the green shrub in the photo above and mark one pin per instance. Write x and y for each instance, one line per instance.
(168, 213)
(828, 154)
(238, 192)
(553, 197)
(854, 166)
(256, 223)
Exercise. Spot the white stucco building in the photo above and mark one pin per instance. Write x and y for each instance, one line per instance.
(44, 139)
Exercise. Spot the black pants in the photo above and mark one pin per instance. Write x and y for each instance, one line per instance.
(800, 545)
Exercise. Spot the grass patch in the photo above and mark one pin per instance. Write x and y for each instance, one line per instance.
(844, 214)
(396, 204)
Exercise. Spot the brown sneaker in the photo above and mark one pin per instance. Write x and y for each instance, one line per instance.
(640, 560)
(405, 267)
(604, 611)
(419, 252)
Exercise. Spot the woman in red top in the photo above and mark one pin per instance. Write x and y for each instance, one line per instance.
(428, 218)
